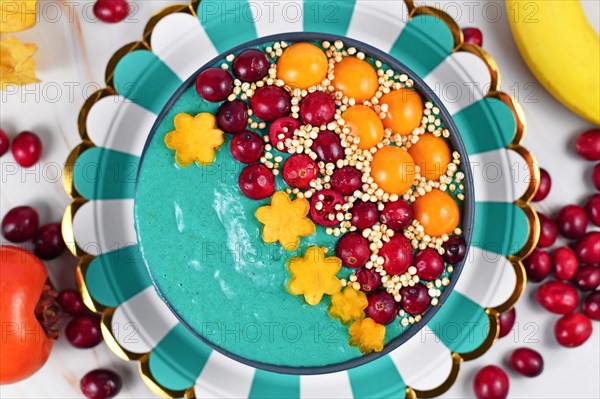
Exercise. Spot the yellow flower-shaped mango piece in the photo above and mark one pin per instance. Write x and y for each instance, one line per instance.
(195, 139)
(17, 15)
(348, 305)
(367, 335)
(17, 66)
(285, 220)
(314, 275)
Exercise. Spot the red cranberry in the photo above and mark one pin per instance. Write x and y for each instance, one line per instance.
(573, 329)
(473, 36)
(71, 302)
(572, 221)
(527, 362)
(27, 149)
(214, 84)
(587, 248)
(353, 249)
(299, 170)
(507, 321)
(346, 180)
(232, 116)
(4, 142)
(587, 278)
(327, 146)
(251, 65)
(548, 231)
(48, 242)
(565, 263)
(317, 109)
(382, 307)
(84, 331)
(282, 129)
(100, 384)
(455, 249)
(111, 11)
(545, 186)
(257, 181)
(592, 208)
(557, 297)
(588, 145)
(491, 382)
(369, 279)
(538, 265)
(397, 254)
(20, 224)
(591, 305)
(323, 207)
(429, 264)
(596, 176)
(246, 146)
(415, 299)
(364, 214)
(397, 215)
(270, 103)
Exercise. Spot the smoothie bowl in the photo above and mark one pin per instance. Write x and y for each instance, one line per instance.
(304, 203)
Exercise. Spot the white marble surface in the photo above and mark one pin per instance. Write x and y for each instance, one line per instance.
(73, 51)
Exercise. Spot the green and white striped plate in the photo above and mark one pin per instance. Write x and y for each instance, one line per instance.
(114, 123)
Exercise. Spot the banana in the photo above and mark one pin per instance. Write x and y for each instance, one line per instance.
(562, 50)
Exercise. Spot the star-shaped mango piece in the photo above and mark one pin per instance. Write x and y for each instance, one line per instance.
(195, 139)
(367, 335)
(285, 220)
(348, 305)
(314, 275)
(16, 16)
(17, 66)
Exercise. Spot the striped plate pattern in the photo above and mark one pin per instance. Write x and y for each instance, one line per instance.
(141, 77)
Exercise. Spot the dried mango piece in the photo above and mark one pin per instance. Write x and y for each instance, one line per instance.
(17, 15)
(314, 275)
(348, 305)
(194, 139)
(367, 335)
(285, 220)
(17, 66)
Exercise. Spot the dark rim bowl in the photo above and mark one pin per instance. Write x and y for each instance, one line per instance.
(467, 211)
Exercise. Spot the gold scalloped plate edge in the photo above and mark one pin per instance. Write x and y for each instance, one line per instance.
(523, 202)
(150, 381)
(457, 358)
(78, 200)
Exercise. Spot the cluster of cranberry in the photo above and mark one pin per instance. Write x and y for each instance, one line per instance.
(83, 330)
(573, 267)
(414, 299)
(271, 103)
(576, 269)
(21, 224)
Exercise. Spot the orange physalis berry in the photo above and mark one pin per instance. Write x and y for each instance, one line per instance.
(393, 170)
(432, 154)
(405, 110)
(302, 65)
(437, 212)
(365, 124)
(355, 78)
